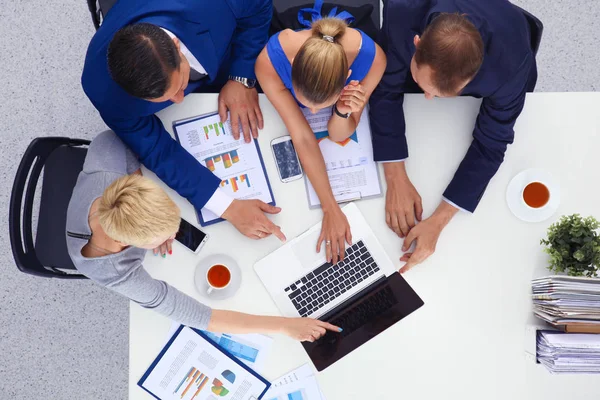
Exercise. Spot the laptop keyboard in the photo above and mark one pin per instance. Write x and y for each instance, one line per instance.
(366, 310)
(328, 282)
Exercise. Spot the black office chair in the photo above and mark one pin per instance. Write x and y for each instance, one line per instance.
(536, 28)
(61, 160)
(99, 9)
(282, 5)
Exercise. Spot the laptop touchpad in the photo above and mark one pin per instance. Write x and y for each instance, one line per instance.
(305, 250)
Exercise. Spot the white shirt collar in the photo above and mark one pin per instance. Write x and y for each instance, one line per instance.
(194, 63)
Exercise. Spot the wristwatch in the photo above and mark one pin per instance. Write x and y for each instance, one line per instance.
(339, 114)
(249, 83)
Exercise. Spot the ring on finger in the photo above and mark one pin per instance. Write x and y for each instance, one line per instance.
(328, 243)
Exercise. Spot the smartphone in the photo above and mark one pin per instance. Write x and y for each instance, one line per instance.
(286, 159)
(190, 236)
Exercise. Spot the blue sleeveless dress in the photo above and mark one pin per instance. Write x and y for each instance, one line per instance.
(360, 66)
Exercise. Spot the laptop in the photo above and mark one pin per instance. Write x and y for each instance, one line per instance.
(363, 294)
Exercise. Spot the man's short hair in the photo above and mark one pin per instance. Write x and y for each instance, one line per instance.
(141, 58)
(452, 47)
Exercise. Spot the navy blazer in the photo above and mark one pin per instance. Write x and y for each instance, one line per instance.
(507, 73)
(225, 36)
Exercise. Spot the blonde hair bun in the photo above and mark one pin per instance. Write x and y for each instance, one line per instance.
(332, 27)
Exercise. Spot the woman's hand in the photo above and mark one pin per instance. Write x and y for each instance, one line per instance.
(307, 329)
(164, 248)
(334, 231)
(352, 99)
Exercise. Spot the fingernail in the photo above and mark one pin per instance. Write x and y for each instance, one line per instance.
(164, 256)
(340, 329)
(155, 254)
(170, 252)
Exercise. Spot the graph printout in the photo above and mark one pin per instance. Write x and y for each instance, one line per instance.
(350, 166)
(300, 384)
(192, 368)
(239, 165)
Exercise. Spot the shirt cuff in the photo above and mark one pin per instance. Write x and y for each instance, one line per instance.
(389, 161)
(456, 206)
(219, 202)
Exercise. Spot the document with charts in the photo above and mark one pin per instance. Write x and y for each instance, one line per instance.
(239, 165)
(352, 172)
(191, 367)
(299, 384)
(250, 348)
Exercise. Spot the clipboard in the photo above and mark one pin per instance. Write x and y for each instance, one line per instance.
(199, 216)
(345, 196)
(211, 343)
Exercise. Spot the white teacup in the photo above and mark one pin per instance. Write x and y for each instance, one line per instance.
(537, 192)
(218, 277)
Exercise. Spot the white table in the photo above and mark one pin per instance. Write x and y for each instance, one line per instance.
(467, 341)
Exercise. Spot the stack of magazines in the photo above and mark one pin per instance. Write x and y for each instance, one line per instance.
(571, 304)
(562, 352)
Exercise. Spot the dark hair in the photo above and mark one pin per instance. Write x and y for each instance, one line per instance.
(141, 58)
(452, 47)
(320, 68)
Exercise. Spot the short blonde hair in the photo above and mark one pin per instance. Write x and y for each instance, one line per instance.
(136, 211)
(320, 69)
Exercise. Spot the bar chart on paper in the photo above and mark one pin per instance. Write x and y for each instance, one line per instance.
(191, 384)
(295, 395)
(237, 347)
(238, 164)
(226, 160)
(215, 129)
(235, 183)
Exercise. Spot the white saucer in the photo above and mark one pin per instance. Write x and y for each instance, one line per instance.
(514, 195)
(217, 294)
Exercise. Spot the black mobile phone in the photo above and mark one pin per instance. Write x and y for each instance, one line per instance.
(190, 236)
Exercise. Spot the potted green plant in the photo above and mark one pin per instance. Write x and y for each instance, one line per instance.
(573, 244)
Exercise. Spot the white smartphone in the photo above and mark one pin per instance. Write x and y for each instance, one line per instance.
(190, 236)
(286, 159)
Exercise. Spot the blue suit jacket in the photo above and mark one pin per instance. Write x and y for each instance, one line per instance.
(226, 36)
(507, 73)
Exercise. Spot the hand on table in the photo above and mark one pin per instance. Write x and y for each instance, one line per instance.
(426, 235)
(307, 329)
(248, 217)
(403, 206)
(352, 99)
(335, 230)
(243, 107)
(164, 248)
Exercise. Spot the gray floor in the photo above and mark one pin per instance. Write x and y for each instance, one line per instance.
(59, 337)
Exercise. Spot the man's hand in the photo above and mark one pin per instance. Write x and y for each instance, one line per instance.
(248, 217)
(243, 107)
(426, 234)
(402, 201)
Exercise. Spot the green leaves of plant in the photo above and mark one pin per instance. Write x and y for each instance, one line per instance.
(574, 245)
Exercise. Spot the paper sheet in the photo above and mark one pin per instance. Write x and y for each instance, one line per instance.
(236, 163)
(563, 352)
(251, 349)
(299, 384)
(350, 166)
(193, 369)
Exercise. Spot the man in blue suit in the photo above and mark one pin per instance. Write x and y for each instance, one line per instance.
(446, 48)
(149, 54)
